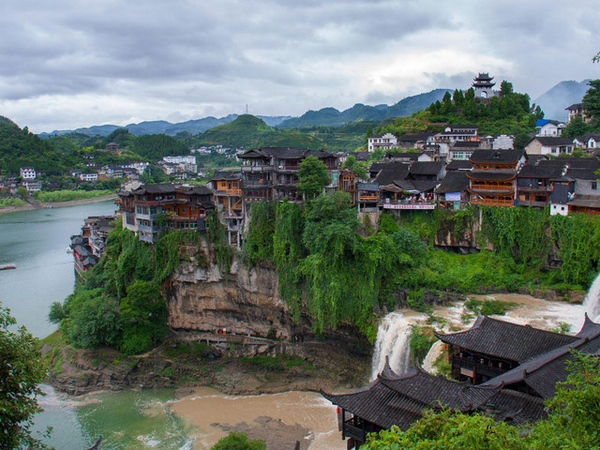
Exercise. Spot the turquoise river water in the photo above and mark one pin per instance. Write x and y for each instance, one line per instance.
(36, 242)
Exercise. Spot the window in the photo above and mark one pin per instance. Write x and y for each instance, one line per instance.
(594, 185)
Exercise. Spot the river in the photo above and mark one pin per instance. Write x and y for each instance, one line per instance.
(36, 242)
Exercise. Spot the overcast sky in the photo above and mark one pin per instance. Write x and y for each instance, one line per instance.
(68, 64)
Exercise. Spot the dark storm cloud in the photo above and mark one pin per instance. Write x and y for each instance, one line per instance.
(149, 59)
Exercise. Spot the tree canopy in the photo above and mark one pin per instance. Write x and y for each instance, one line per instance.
(312, 177)
(21, 369)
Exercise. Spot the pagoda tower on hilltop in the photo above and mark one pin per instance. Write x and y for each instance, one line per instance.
(483, 86)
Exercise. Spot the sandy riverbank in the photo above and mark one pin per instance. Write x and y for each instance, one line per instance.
(288, 420)
(41, 205)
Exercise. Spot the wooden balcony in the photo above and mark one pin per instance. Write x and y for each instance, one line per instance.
(229, 192)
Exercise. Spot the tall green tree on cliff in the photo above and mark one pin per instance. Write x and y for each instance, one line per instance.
(312, 177)
(591, 101)
(21, 371)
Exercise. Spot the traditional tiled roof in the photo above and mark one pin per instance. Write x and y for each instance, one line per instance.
(426, 168)
(416, 185)
(541, 373)
(455, 181)
(574, 106)
(549, 141)
(461, 145)
(155, 189)
(541, 170)
(506, 340)
(391, 172)
(501, 175)
(458, 164)
(414, 137)
(226, 176)
(582, 173)
(284, 152)
(400, 400)
(586, 201)
(511, 156)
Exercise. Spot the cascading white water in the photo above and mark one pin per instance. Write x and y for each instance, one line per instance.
(591, 303)
(432, 355)
(393, 337)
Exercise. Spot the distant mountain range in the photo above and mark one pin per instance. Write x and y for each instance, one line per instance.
(561, 96)
(163, 127)
(325, 116)
(552, 102)
(359, 112)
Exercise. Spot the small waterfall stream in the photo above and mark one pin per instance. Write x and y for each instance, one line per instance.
(393, 336)
(591, 303)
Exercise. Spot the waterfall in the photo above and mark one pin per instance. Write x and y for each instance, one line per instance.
(393, 337)
(432, 355)
(591, 303)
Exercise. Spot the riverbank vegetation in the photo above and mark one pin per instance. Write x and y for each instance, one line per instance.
(21, 371)
(67, 195)
(119, 302)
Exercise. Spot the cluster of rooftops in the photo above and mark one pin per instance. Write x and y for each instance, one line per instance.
(409, 180)
(499, 368)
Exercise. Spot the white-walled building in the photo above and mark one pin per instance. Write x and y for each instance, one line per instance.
(27, 173)
(385, 141)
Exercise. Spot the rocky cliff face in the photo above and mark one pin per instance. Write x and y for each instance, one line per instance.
(243, 301)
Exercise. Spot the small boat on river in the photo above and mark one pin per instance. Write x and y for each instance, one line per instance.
(7, 266)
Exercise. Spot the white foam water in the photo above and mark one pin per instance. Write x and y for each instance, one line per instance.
(591, 303)
(393, 337)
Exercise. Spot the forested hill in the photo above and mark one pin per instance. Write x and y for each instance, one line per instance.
(249, 131)
(19, 147)
(360, 112)
(509, 113)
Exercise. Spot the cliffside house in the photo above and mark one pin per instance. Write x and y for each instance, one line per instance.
(547, 145)
(453, 191)
(385, 141)
(89, 246)
(228, 200)
(367, 197)
(271, 173)
(347, 183)
(577, 189)
(535, 182)
(493, 178)
(165, 206)
(545, 127)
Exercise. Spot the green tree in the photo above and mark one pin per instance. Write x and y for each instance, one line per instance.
(355, 166)
(368, 134)
(470, 94)
(458, 98)
(591, 101)
(21, 371)
(312, 177)
(238, 441)
(506, 88)
(576, 127)
(521, 140)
